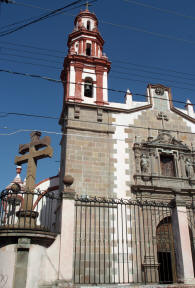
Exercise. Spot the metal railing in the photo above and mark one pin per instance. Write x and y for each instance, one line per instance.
(123, 241)
(43, 213)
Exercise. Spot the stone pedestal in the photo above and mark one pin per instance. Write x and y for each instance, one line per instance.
(21, 265)
(184, 263)
(67, 235)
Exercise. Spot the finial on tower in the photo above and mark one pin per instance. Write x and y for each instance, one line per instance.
(87, 4)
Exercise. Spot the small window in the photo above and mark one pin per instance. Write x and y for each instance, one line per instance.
(167, 165)
(88, 49)
(88, 88)
(88, 25)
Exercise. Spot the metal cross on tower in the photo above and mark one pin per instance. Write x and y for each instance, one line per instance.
(162, 116)
(87, 4)
(31, 158)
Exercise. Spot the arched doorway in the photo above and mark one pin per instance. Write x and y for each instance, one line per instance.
(166, 252)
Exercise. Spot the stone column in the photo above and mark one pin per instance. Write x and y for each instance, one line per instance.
(184, 263)
(154, 163)
(67, 232)
(99, 91)
(21, 264)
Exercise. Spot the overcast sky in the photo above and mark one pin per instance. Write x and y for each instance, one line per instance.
(147, 41)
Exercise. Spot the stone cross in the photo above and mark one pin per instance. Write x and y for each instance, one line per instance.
(162, 116)
(31, 158)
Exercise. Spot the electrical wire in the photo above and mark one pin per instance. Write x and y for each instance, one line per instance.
(82, 84)
(30, 63)
(118, 66)
(32, 47)
(137, 29)
(75, 134)
(113, 77)
(5, 114)
(160, 9)
(112, 71)
(30, 52)
(126, 62)
(33, 58)
(46, 16)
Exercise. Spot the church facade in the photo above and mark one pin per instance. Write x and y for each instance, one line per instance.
(133, 163)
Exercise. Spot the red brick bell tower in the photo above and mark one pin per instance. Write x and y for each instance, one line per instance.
(86, 68)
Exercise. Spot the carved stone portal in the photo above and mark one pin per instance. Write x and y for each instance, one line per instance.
(164, 161)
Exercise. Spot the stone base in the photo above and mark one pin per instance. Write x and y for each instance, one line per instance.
(66, 284)
(59, 284)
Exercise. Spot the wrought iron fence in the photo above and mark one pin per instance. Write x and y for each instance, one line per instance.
(123, 241)
(29, 210)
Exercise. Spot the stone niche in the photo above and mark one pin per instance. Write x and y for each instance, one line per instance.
(164, 162)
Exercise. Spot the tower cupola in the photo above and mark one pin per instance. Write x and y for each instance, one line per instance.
(86, 67)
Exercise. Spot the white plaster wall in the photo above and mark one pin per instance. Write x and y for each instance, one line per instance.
(73, 80)
(122, 154)
(50, 182)
(190, 124)
(7, 262)
(43, 264)
(127, 106)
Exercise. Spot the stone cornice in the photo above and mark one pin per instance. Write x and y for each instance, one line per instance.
(83, 59)
(86, 32)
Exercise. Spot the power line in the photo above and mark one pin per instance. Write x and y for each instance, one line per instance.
(5, 114)
(31, 6)
(33, 58)
(160, 9)
(155, 78)
(82, 84)
(29, 52)
(30, 63)
(112, 71)
(33, 47)
(46, 16)
(127, 62)
(114, 77)
(118, 66)
(136, 29)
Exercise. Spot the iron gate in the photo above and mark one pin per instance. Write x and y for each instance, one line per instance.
(123, 241)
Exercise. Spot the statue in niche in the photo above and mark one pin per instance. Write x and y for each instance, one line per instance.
(189, 168)
(144, 164)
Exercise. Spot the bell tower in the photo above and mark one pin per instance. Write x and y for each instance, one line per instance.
(86, 67)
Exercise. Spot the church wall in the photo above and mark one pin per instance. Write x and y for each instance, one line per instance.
(101, 157)
(89, 152)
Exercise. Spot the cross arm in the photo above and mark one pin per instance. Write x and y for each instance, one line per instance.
(47, 152)
(21, 159)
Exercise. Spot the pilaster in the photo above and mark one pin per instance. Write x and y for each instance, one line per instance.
(184, 263)
(67, 231)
